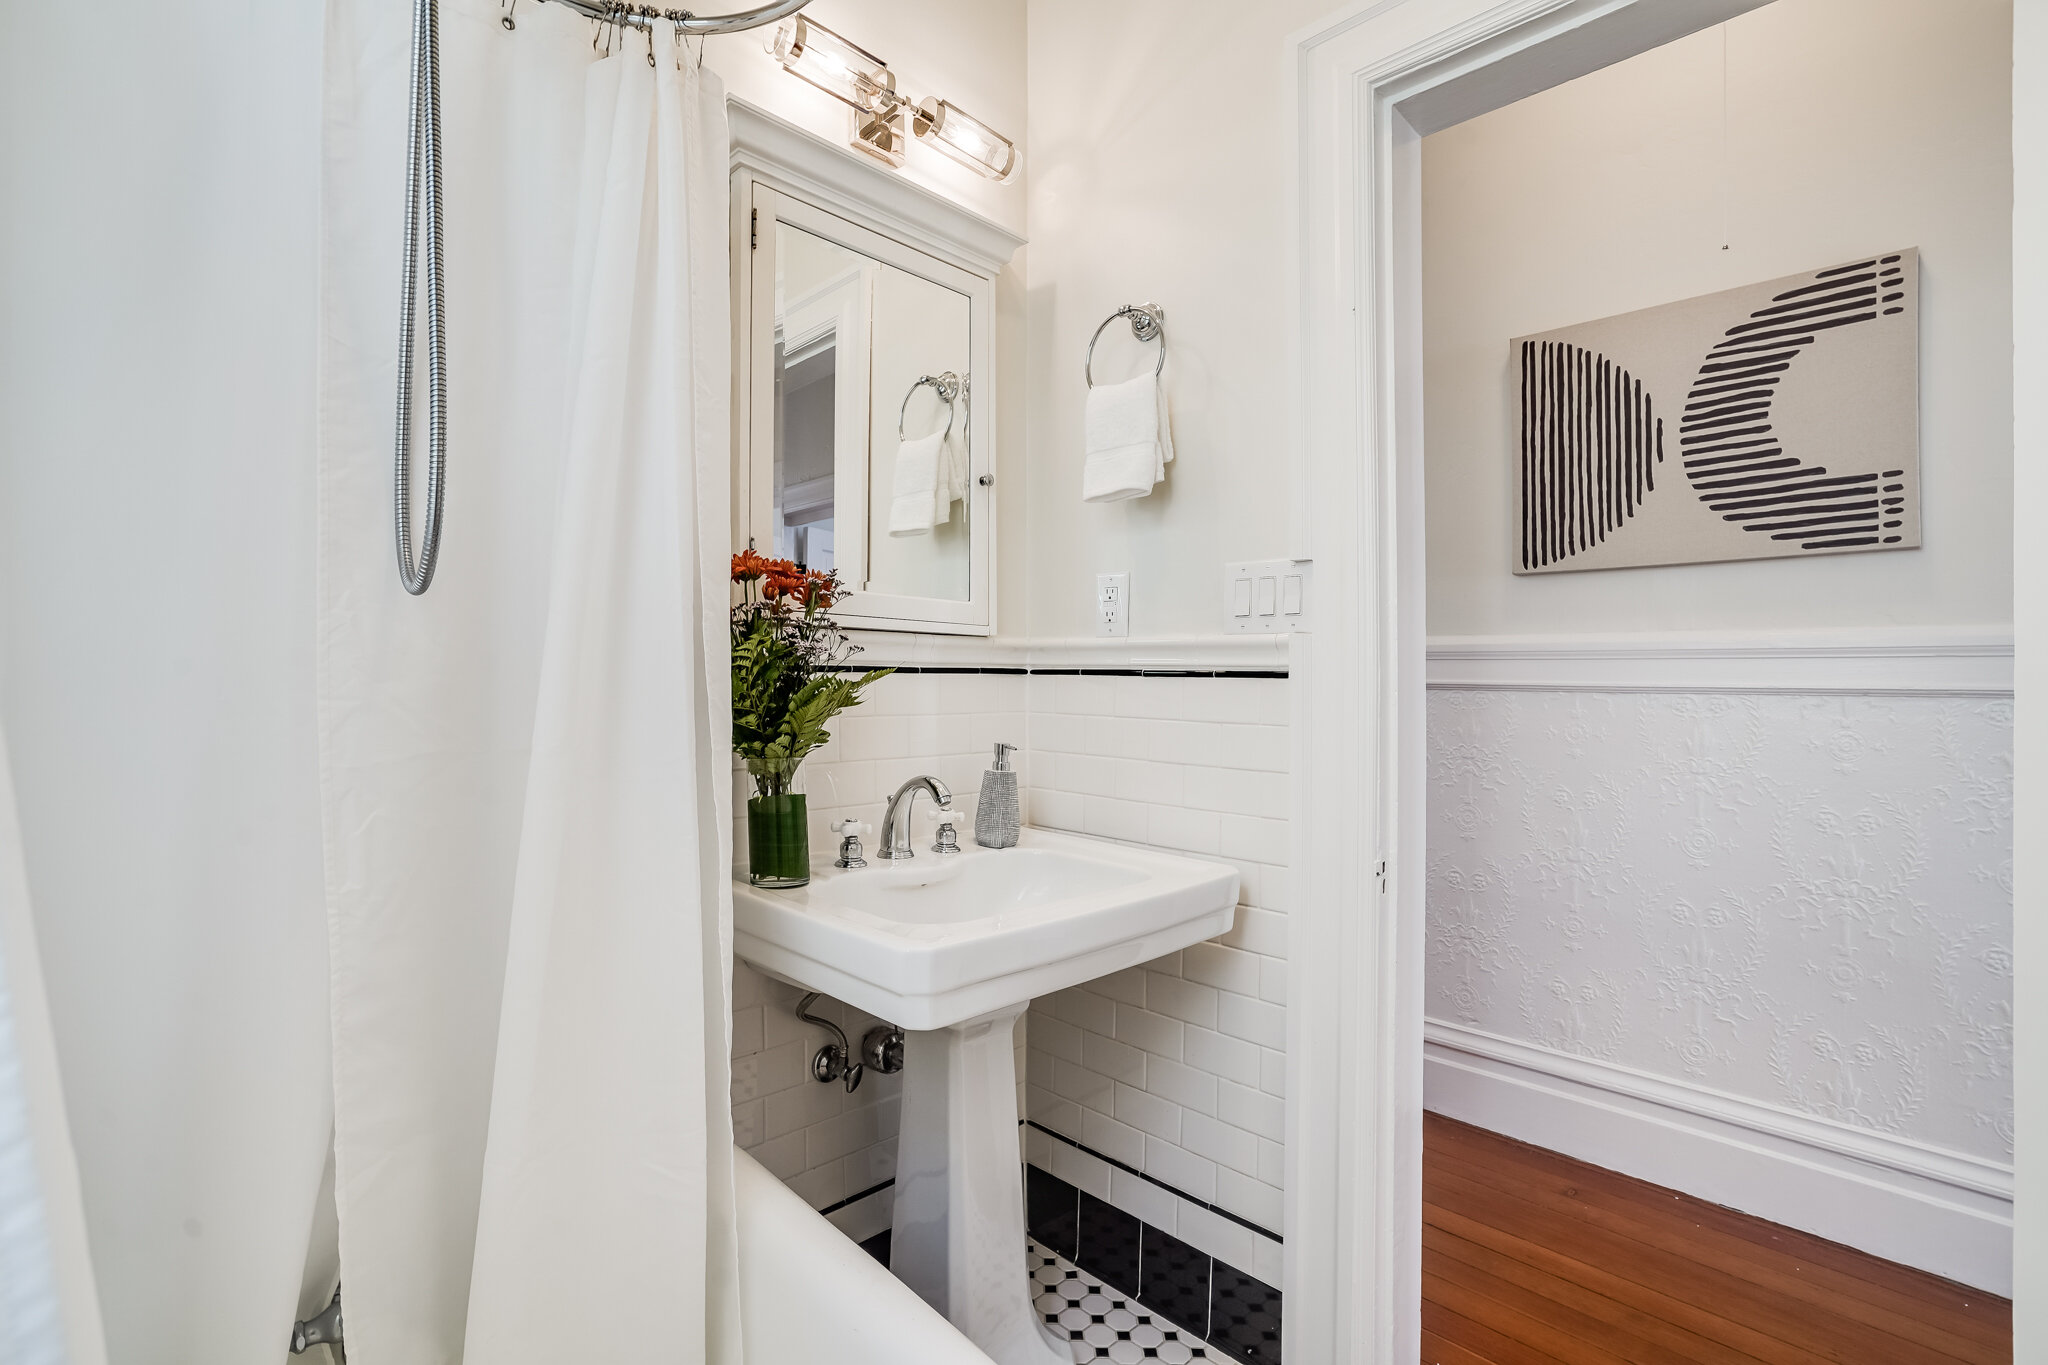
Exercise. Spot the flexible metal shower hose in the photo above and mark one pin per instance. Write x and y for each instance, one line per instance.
(422, 190)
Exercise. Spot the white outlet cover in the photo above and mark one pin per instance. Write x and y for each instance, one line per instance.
(1267, 596)
(1112, 604)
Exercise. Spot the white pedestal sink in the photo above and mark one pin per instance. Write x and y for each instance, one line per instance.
(952, 950)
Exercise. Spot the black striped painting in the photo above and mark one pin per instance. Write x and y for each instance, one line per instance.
(1794, 412)
(1591, 444)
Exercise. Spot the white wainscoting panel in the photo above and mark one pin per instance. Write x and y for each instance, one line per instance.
(1798, 898)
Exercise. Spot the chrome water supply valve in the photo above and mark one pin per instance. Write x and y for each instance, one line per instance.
(882, 1049)
(834, 1061)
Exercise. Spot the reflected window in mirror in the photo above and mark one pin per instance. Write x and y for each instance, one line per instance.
(872, 468)
(822, 293)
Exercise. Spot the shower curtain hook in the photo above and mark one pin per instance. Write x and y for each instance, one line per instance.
(507, 18)
(649, 29)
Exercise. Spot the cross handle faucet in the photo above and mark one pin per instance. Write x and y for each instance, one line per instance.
(896, 822)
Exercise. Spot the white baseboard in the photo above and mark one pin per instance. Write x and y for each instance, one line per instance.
(1940, 1211)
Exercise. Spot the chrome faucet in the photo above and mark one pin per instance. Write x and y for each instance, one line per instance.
(896, 822)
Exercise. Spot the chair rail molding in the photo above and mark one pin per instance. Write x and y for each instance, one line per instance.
(1959, 661)
(1354, 422)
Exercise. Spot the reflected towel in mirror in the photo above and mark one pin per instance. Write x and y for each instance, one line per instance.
(922, 479)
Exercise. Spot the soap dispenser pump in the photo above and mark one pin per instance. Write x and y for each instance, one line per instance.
(996, 815)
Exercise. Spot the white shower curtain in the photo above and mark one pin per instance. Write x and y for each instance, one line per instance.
(607, 1221)
(49, 1311)
(522, 787)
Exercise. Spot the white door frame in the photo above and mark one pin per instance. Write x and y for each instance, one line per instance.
(1362, 88)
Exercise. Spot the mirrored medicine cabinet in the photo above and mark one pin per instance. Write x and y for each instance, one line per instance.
(865, 381)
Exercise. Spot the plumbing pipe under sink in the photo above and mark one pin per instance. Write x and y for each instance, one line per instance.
(809, 1293)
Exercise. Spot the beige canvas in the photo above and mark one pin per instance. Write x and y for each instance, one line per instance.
(1772, 420)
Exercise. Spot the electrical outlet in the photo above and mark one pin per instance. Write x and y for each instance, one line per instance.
(1266, 596)
(1112, 604)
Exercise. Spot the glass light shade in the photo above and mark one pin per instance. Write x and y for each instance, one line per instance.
(816, 54)
(965, 138)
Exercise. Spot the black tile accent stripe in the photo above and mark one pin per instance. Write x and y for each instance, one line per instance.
(1051, 1211)
(856, 1198)
(1244, 1316)
(1236, 1314)
(1111, 1236)
(864, 666)
(1073, 672)
(1127, 1169)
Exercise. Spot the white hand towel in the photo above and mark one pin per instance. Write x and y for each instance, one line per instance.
(914, 498)
(1130, 440)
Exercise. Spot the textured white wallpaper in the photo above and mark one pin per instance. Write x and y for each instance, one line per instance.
(1804, 900)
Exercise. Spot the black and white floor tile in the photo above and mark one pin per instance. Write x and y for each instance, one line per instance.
(1103, 1323)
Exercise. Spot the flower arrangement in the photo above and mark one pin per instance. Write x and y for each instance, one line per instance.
(786, 660)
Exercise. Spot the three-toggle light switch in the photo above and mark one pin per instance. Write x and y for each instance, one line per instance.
(1268, 595)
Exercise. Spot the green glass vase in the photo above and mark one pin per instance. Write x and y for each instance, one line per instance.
(778, 840)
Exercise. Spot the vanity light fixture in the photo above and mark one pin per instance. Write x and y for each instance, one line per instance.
(843, 70)
(881, 116)
(851, 74)
(965, 138)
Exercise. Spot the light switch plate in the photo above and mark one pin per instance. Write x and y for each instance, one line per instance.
(1112, 604)
(1267, 596)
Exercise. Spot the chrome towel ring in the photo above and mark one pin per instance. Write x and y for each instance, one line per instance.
(1148, 323)
(947, 386)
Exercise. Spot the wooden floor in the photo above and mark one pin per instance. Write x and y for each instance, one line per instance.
(1531, 1258)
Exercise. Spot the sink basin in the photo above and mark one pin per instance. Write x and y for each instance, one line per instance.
(951, 950)
(932, 941)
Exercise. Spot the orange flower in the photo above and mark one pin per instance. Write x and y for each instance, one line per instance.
(780, 577)
(748, 566)
(818, 591)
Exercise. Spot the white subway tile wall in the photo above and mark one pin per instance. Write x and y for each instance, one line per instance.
(1175, 1068)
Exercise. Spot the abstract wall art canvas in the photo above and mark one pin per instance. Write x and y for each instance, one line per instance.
(1773, 420)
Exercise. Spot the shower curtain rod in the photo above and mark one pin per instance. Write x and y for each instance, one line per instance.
(641, 16)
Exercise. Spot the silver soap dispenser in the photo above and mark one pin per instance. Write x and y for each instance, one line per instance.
(996, 815)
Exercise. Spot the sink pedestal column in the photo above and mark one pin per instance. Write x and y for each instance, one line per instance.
(958, 1238)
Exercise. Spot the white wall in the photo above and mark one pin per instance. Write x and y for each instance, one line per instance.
(1157, 174)
(1850, 126)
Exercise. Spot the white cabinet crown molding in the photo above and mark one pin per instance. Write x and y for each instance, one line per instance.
(866, 192)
